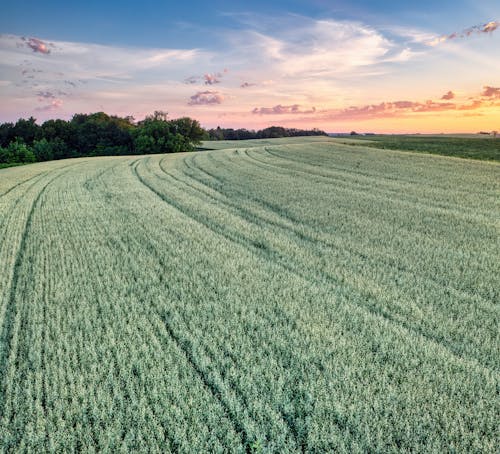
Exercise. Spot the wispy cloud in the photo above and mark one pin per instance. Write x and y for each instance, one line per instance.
(55, 104)
(45, 95)
(486, 28)
(207, 78)
(474, 105)
(206, 98)
(281, 110)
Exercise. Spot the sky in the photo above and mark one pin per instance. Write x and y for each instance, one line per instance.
(364, 65)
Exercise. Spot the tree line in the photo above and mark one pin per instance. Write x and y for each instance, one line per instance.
(99, 134)
(273, 132)
(96, 134)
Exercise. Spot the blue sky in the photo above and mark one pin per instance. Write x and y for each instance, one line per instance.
(331, 64)
(164, 23)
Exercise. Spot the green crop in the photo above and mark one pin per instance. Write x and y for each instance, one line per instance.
(284, 296)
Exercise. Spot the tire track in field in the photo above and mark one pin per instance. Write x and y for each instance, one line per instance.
(366, 302)
(8, 339)
(158, 333)
(271, 256)
(207, 381)
(251, 218)
(460, 292)
(125, 384)
(335, 173)
(8, 216)
(23, 182)
(293, 157)
(477, 300)
(185, 346)
(79, 256)
(364, 189)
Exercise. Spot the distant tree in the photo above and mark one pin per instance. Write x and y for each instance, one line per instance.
(17, 152)
(6, 134)
(43, 150)
(271, 132)
(27, 130)
(190, 129)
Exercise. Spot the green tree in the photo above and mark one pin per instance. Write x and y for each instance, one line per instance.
(43, 150)
(18, 151)
(27, 130)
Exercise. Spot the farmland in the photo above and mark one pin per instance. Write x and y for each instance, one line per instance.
(461, 146)
(286, 295)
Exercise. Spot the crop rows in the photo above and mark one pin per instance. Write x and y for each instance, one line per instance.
(298, 296)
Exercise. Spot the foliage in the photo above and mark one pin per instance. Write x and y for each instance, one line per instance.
(16, 152)
(288, 295)
(273, 132)
(98, 134)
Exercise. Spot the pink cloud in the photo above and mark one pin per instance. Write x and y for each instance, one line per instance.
(389, 109)
(280, 110)
(476, 104)
(489, 27)
(37, 45)
(55, 104)
(212, 79)
(448, 96)
(491, 92)
(206, 98)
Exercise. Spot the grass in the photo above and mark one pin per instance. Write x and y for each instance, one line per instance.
(486, 149)
(297, 295)
(10, 164)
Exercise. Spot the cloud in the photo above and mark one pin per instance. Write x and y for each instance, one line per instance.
(491, 92)
(297, 47)
(206, 98)
(37, 45)
(207, 78)
(280, 110)
(212, 79)
(55, 104)
(487, 28)
(247, 85)
(46, 95)
(389, 109)
(448, 96)
(476, 104)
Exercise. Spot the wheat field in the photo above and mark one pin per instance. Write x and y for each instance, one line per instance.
(295, 295)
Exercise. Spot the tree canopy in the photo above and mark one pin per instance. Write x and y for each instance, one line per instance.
(96, 134)
(99, 134)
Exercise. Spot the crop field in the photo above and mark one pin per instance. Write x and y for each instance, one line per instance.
(461, 146)
(295, 295)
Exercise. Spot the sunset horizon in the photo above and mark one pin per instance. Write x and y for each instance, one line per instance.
(379, 67)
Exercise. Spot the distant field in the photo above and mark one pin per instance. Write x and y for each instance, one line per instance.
(287, 295)
(471, 147)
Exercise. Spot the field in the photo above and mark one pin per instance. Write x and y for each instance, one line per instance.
(472, 146)
(285, 296)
